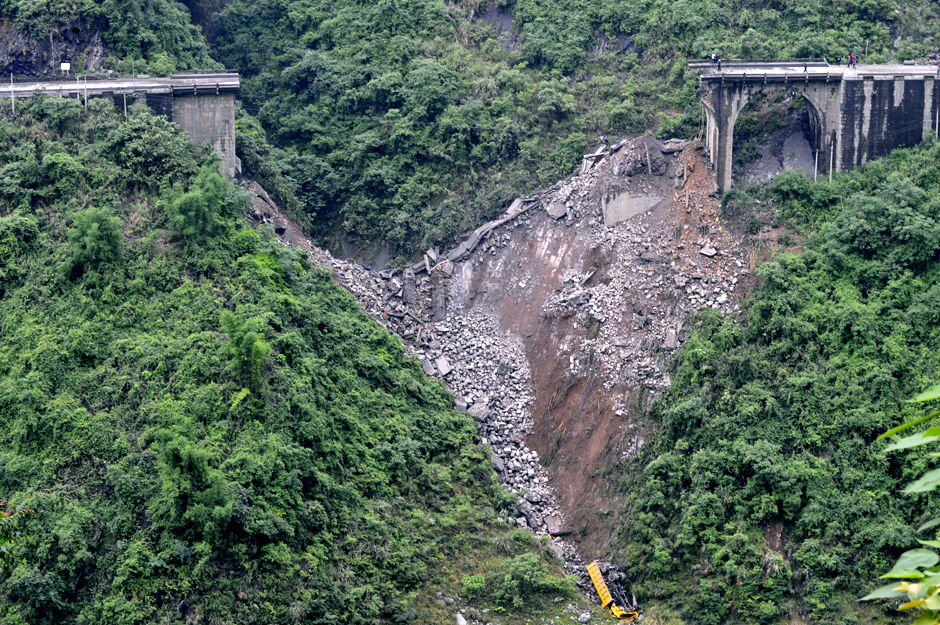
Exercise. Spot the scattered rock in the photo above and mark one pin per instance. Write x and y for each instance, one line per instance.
(708, 250)
(461, 620)
(585, 617)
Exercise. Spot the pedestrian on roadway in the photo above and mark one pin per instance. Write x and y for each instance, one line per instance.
(718, 60)
(838, 60)
(607, 143)
(804, 68)
(714, 58)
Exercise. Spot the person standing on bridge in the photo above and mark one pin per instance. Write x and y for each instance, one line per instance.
(718, 60)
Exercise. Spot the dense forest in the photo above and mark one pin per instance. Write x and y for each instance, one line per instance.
(764, 494)
(206, 426)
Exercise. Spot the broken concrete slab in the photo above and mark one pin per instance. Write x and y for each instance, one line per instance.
(624, 206)
(671, 342)
(443, 366)
(428, 367)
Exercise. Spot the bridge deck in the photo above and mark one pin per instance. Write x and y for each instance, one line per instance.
(811, 71)
(179, 84)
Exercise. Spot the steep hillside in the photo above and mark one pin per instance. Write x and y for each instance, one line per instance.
(206, 426)
(762, 494)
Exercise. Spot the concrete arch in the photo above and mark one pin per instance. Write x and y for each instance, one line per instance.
(723, 104)
(861, 112)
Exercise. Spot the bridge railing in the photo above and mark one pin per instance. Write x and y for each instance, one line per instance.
(813, 62)
(57, 77)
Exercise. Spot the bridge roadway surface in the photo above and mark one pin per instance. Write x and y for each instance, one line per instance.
(179, 84)
(815, 70)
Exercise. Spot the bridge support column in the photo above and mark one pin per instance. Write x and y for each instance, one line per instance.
(928, 132)
(210, 118)
(728, 102)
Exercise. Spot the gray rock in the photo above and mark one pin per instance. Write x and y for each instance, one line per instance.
(460, 619)
(428, 367)
(708, 250)
(498, 463)
(672, 146)
(521, 522)
(533, 497)
(556, 210)
(650, 257)
(443, 365)
(671, 342)
(479, 412)
(460, 404)
(585, 617)
(553, 526)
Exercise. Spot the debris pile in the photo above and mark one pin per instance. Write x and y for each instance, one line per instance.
(624, 250)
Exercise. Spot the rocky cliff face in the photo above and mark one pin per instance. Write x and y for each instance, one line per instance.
(22, 55)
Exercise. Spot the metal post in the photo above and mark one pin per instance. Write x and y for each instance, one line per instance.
(816, 165)
(125, 105)
(12, 97)
(937, 123)
(832, 154)
(78, 88)
(86, 93)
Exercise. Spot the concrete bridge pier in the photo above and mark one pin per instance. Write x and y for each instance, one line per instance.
(723, 103)
(856, 114)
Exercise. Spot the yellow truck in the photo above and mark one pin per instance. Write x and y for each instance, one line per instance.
(622, 614)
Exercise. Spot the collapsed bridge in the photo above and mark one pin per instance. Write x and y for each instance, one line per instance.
(856, 113)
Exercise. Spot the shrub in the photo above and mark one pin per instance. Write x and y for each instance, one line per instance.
(95, 237)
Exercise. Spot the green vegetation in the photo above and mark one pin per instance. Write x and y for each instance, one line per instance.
(153, 36)
(206, 426)
(761, 494)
